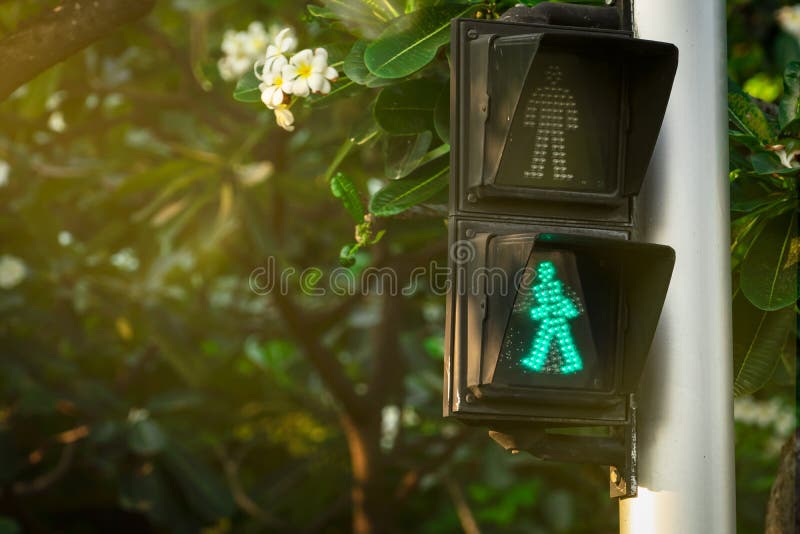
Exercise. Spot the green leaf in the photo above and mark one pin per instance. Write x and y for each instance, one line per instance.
(766, 163)
(377, 239)
(758, 340)
(106, 431)
(789, 352)
(411, 41)
(153, 178)
(347, 256)
(344, 189)
(173, 401)
(145, 437)
(407, 108)
(275, 357)
(203, 490)
(200, 6)
(744, 113)
(744, 231)
(363, 18)
(247, 88)
(441, 115)
(403, 153)
(341, 88)
(792, 129)
(786, 49)
(337, 50)
(747, 194)
(769, 272)
(418, 187)
(320, 12)
(745, 204)
(356, 70)
(744, 139)
(38, 91)
(791, 144)
(790, 103)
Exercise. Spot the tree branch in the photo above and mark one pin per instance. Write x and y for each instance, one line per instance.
(465, 515)
(240, 496)
(60, 32)
(46, 480)
(388, 369)
(782, 516)
(323, 360)
(410, 480)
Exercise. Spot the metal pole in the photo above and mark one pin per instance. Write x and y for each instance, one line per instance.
(686, 470)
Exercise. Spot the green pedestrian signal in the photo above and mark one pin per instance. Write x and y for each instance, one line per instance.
(553, 341)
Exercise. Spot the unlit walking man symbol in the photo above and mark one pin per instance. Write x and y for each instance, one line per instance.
(551, 110)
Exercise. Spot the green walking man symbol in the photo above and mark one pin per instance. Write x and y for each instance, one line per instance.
(554, 310)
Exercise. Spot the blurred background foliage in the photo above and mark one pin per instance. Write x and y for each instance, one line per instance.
(145, 386)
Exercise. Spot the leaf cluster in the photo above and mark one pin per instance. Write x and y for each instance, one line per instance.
(765, 143)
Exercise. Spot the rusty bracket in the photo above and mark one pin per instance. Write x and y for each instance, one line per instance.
(617, 451)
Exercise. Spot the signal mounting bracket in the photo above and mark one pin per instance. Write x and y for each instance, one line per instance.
(619, 450)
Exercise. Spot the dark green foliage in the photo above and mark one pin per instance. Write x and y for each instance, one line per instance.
(343, 188)
(411, 41)
(764, 231)
(414, 189)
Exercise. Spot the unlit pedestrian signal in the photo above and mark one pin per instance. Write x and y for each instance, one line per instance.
(553, 128)
(550, 112)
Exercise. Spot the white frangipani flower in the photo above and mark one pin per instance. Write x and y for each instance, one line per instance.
(280, 77)
(788, 158)
(309, 72)
(285, 119)
(65, 238)
(236, 61)
(231, 43)
(275, 58)
(254, 173)
(5, 170)
(271, 64)
(390, 426)
(12, 271)
(255, 40)
(789, 19)
(241, 50)
(56, 122)
(274, 88)
(285, 42)
(125, 260)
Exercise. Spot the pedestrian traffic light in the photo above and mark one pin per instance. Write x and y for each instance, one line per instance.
(550, 327)
(553, 303)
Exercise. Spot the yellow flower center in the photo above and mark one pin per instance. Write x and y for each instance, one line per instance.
(304, 71)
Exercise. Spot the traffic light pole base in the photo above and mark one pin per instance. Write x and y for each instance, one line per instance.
(617, 450)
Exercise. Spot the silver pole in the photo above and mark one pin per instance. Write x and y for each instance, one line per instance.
(686, 469)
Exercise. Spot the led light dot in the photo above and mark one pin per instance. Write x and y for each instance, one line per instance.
(555, 308)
